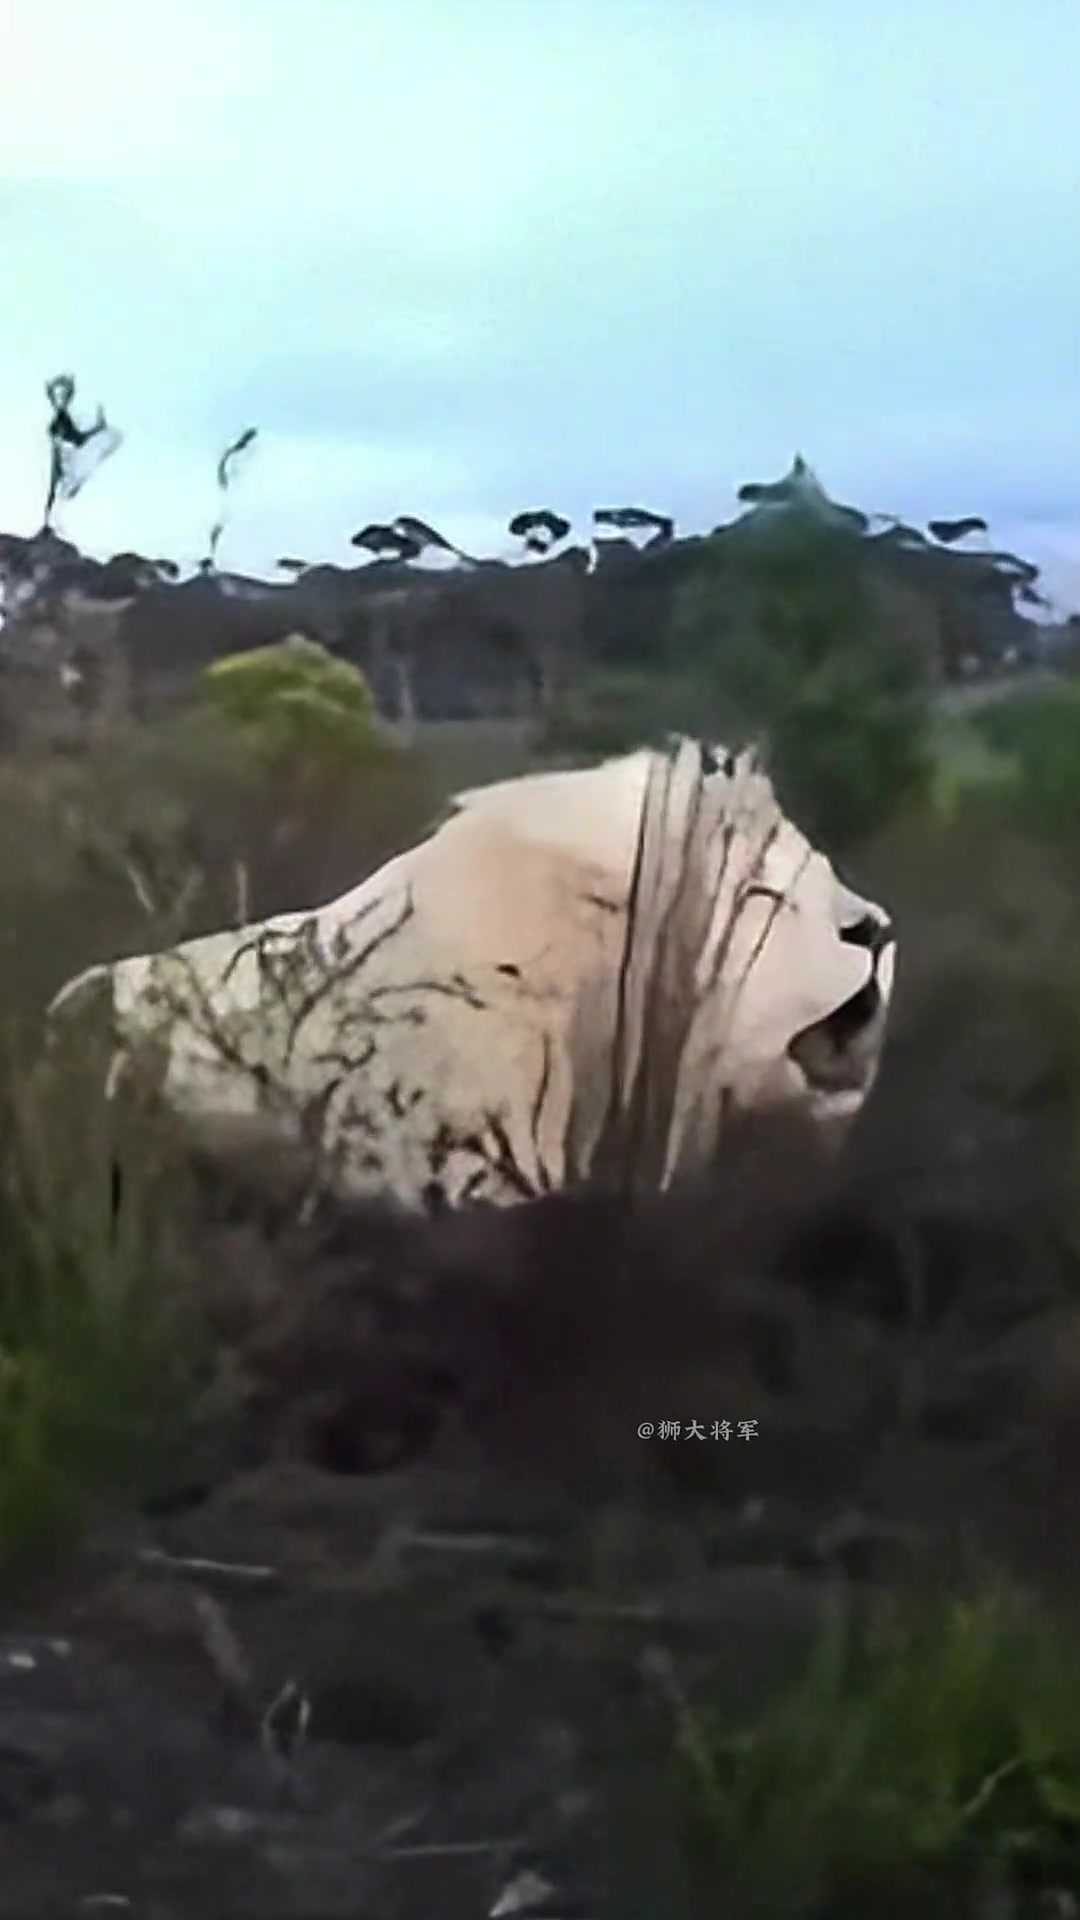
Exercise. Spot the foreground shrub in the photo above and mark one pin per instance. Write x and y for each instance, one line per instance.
(97, 1351)
(930, 1756)
(1037, 738)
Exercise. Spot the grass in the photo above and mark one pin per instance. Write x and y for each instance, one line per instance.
(963, 760)
(98, 1351)
(930, 1756)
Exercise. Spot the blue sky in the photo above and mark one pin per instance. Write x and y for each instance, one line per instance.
(458, 257)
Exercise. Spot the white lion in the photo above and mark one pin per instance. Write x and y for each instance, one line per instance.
(579, 974)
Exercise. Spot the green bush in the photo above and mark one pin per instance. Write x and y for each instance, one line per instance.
(1037, 737)
(928, 1757)
(966, 765)
(98, 1347)
(293, 702)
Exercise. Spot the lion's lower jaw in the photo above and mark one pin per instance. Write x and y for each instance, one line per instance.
(789, 1094)
(838, 1110)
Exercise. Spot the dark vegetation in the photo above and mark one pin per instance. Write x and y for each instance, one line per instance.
(597, 636)
(335, 1578)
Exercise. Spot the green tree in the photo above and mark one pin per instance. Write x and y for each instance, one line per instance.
(295, 705)
(324, 796)
(791, 640)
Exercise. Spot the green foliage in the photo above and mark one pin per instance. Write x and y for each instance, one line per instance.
(928, 1756)
(613, 710)
(965, 765)
(1038, 735)
(293, 703)
(97, 1356)
(792, 643)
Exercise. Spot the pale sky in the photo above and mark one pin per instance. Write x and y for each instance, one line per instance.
(459, 257)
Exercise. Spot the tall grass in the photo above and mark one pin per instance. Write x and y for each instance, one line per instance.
(929, 1757)
(99, 1355)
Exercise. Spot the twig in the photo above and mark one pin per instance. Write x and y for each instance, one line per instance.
(140, 888)
(284, 1726)
(281, 1727)
(658, 1668)
(191, 1567)
(225, 1653)
(397, 1827)
(243, 892)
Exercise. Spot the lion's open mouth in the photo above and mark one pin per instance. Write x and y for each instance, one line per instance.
(839, 1054)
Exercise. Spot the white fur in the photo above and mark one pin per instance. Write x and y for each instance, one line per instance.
(487, 1013)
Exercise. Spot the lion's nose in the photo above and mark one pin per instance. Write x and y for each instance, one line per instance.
(869, 932)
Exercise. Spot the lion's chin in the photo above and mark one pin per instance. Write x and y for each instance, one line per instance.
(786, 1089)
(836, 1110)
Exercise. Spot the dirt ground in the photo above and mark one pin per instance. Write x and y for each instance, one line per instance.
(391, 1642)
